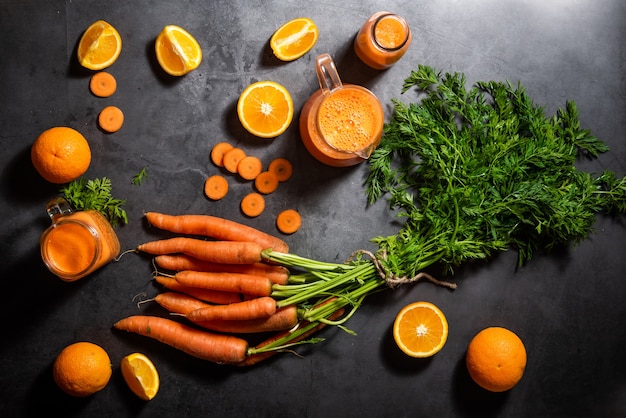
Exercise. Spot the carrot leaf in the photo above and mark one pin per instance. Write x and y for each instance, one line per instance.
(96, 194)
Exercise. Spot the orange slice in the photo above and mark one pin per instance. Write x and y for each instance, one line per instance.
(420, 329)
(265, 109)
(140, 375)
(294, 39)
(99, 46)
(177, 51)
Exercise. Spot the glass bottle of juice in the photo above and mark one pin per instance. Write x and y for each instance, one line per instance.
(78, 242)
(383, 40)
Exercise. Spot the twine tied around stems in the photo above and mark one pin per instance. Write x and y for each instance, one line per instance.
(395, 281)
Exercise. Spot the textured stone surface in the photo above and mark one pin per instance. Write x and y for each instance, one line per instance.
(568, 308)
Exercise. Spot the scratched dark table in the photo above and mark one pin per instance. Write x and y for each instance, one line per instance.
(568, 307)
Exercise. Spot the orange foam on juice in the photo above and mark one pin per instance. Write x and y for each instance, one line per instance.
(348, 120)
(345, 129)
(383, 40)
(71, 248)
(389, 32)
(78, 244)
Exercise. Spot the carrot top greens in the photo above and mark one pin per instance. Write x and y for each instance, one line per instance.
(96, 194)
(479, 171)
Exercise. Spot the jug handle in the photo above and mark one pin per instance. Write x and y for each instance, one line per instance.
(327, 73)
(58, 208)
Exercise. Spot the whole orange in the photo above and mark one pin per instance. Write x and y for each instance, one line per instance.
(82, 369)
(496, 359)
(61, 154)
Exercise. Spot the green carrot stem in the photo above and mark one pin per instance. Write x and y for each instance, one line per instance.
(322, 287)
(294, 260)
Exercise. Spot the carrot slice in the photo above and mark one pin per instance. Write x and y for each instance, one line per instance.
(232, 157)
(249, 167)
(218, 151)
(216, 187)
(288, 221)
(266, 182)
(111, 119)
(253, 204)
(102, 84)
(282, 168)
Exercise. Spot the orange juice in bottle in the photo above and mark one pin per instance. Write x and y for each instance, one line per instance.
(382, 40)
(78, 242)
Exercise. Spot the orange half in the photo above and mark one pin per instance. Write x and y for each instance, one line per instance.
(177, 51)
(294, 39)
(265, 109)
(420, 329)
(99, 46)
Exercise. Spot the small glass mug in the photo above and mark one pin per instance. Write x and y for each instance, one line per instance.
(382, 40)
(340, 124)
(78, 242)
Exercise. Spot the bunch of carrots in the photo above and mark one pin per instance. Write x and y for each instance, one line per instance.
(229, 280)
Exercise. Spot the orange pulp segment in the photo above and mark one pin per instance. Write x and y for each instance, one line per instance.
(265, 109)
(99, 46)
(177, 51)
(140, 375)
(420, 329)
(294, 39)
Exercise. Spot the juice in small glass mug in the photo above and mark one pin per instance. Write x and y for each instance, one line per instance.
(383, 40)
(78, 242)
(340, 124)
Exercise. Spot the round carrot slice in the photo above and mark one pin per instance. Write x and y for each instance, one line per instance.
(266, 182)
(216, 187)
(282, 168)
(111, 119)
(253, 204)
(249, 167)
(288, 221)
(218, 151)
(232, 157)
(102, 84)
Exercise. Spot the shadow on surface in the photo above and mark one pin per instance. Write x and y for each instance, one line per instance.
(470, 398)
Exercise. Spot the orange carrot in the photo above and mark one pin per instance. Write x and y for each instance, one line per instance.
(277, 274)
(232, 157)
(284, 318)
(261, 307)
(102, 84)
(257, 358)
(249, 167)
(216, 187)
(111, 119)
(227, 282)
(215, 227)
(266, 182)
(218, 151)
(230, 252)
(179, 303)
(288, 221)
(253, 204)
(202, 344)
(202, 295)
(282, 168)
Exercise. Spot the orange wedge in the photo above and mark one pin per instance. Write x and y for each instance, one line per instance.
(265, 109)
(177, 51)
(420, 329)
(140, 375)
(294, 39)
(99, 46)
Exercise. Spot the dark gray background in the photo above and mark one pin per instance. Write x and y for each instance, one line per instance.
(567, 307)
